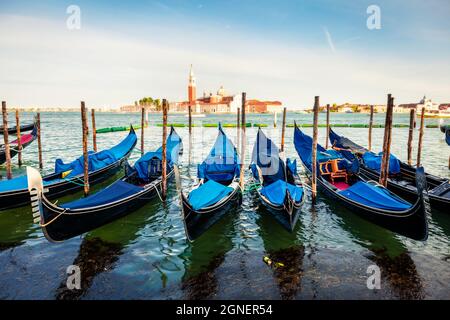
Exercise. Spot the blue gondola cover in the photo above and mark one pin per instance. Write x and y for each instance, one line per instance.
(222, 162)
(375, 196)
(147, 166)
(373, 161)
(118, 190)
(97, 160)
(208, 194)
(276, 192)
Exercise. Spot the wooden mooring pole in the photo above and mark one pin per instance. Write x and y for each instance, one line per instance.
(142, 130)
(419, 147)
(283, 129)
(238, 125)
(327, 137)
(85, 148)
(370, 127)
(384, 170)
(190, 119)
(164, 151)
(19, 139)
(5, 139)
(39, 139)
(412, 115)
(94, 131)
(314, 150)
(243, 141)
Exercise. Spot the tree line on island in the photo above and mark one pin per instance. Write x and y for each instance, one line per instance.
(149, 102)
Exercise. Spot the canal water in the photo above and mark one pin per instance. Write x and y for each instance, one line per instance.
(145, 255)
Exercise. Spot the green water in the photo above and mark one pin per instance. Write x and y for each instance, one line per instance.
(145, 255)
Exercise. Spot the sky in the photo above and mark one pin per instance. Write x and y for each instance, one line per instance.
(274, 50)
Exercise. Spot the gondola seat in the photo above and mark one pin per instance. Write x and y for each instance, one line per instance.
(331, 168)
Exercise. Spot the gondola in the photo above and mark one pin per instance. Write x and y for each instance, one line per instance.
(217, 190)
(401, 176)
(446, 130)
(68, 178)
(276, 181)
(25, 139)
(339, 180)
(139, 184)
(23, 128)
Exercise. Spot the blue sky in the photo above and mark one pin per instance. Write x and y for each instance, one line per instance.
(285, 50)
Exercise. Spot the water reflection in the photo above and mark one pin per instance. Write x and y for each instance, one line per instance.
(101, 249)
(202, 258)
(288, 275)
(389, 253)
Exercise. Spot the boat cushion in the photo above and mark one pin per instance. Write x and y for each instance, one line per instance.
(373, 161)
(208, 194)
(276, 192)
(375, 196)
(118, 190)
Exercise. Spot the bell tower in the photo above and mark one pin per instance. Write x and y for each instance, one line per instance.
(192, 87)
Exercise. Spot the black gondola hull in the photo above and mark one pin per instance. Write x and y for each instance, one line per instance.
(287, 218)
(23, 128)
(20, 198)
(59, 224)
(198, 222)
(413, 224)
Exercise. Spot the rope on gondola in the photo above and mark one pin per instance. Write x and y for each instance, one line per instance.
(156, 189)
(73, 181)
(54, 219)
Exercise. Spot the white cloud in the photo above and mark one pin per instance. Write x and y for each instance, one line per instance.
(44, 64)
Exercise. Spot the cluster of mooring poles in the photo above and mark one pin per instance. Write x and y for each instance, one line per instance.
(19, 140)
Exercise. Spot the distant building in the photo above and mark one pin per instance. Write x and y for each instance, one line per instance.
(221, 102)
(429, 105)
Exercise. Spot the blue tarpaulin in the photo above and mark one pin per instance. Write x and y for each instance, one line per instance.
(120, 150)
(97, 160)
(208, 194)
(292, 165)
(276, 192)
(373, 161)
(222, 162)
(266, 156)
(118, 190)
(374, 196)
(146, 166)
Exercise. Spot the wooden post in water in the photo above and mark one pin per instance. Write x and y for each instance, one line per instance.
(243, 141)
(370, 127)
(275, 119)
(283, 129)
(238, 125)
(419, 148)
(328, 127)
(314, 150)
(94, 130)
(412, 115)
(5, 139)
(384, 170)
(39, 140)
(142, 130)
(190, 119)
(19, 139)
(164, 151)
(85, 148)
